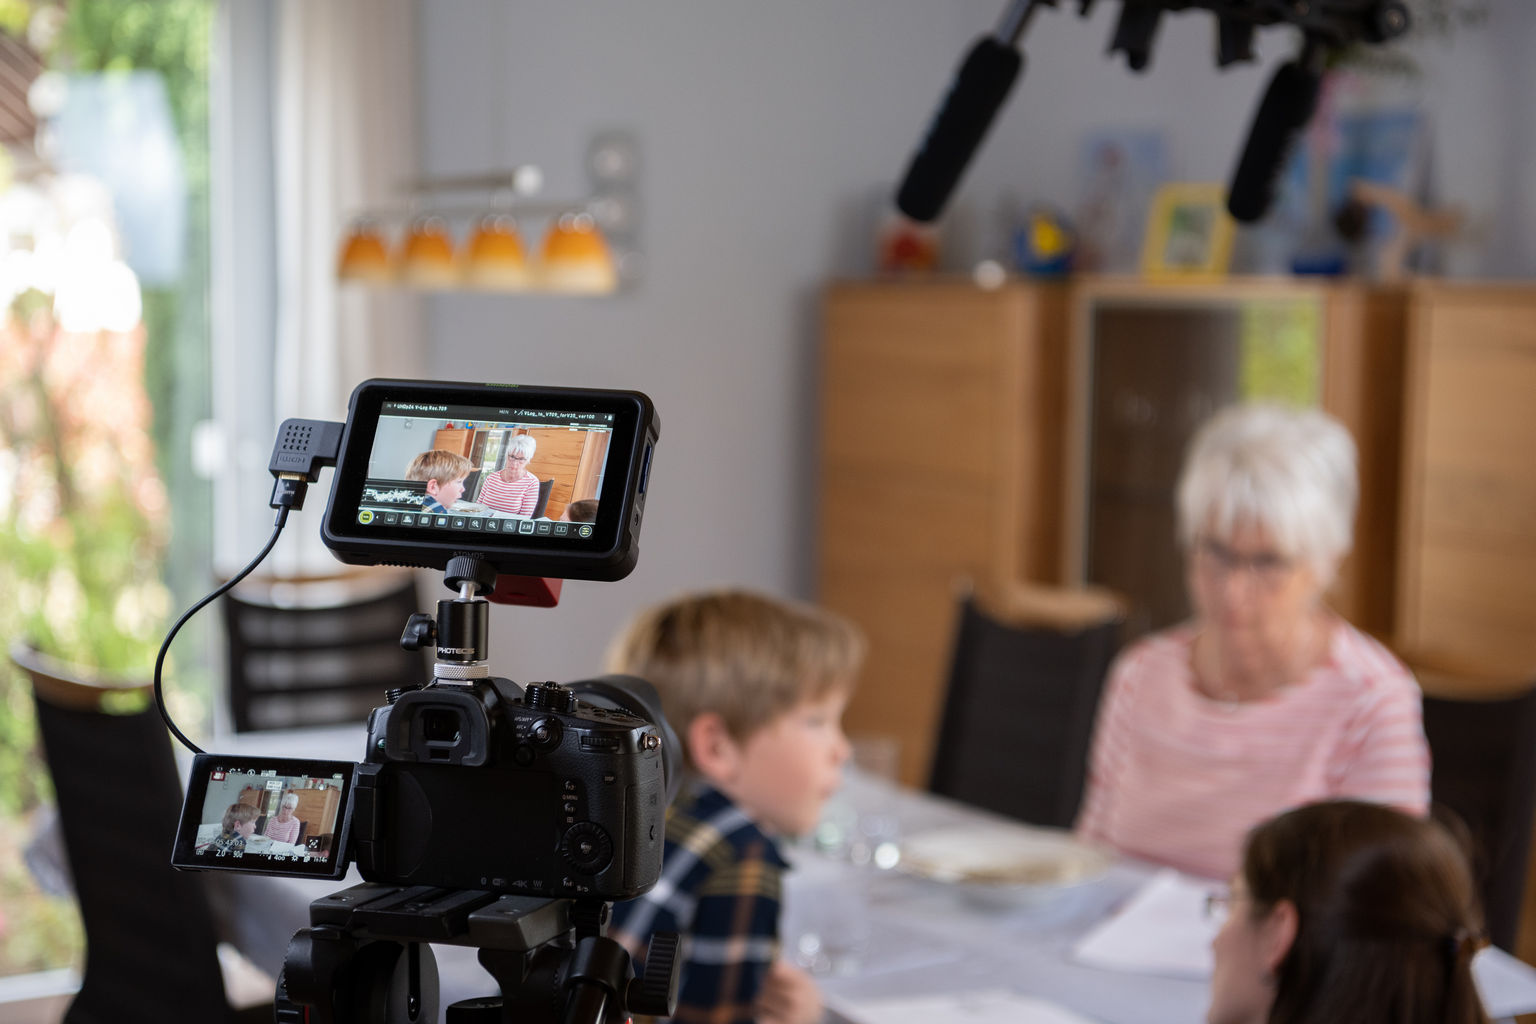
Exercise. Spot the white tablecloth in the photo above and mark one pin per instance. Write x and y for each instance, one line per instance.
(925, 939)
(254, 845)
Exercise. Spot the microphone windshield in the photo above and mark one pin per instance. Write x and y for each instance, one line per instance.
(1285, 110)
(961, 123)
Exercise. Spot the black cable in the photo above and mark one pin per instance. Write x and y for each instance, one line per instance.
(165, 646)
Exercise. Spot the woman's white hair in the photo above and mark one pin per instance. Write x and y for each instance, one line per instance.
(289, 797)
(523, 443)
(1290, 471)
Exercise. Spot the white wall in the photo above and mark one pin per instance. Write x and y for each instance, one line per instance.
(771, 133)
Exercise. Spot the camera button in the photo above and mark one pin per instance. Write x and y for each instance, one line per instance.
(523, 754)
(587, 846)
(545, 733)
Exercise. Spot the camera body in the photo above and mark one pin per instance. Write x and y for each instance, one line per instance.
(481, 785)
(476, 784)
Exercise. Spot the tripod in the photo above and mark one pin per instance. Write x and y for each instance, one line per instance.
(365, 960)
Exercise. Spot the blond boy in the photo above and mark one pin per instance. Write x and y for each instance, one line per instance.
(755, 687)
(238, 823)
(443, 472)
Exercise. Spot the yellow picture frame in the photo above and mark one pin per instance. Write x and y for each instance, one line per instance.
(1189, 232)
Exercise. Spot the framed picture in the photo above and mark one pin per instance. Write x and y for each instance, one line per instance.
(1118, 172)
(1189, 232)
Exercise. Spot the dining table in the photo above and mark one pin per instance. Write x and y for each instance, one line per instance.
(263, 845)
(1121, 942)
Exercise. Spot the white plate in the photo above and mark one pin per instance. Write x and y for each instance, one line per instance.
(1001, 856)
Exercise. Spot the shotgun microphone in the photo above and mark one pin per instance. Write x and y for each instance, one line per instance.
(980, 87)
(1285, 110)
(978, 92)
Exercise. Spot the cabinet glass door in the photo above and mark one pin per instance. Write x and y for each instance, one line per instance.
(1157, 369)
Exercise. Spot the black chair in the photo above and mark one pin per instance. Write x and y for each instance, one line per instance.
(318, 650)
(544, 486)
(1484, 757)
(151, 943)
(1024, 684)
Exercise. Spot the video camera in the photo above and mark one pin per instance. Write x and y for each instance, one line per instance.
(483, 813)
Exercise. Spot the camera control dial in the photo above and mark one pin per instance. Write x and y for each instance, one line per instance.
(550, 696)
(587, 846)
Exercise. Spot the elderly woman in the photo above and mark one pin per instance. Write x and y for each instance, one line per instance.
(283, 827)
(1348, 911)
(1266, 699)
(512, 488)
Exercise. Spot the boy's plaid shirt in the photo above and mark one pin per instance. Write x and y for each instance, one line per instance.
(719, 889)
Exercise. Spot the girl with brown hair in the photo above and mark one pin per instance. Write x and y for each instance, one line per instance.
(1346, 911)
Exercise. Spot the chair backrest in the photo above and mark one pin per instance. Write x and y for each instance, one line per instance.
(151, 946)
(298, 663)
(544, 487)
(1024, 687)
(1484, 757)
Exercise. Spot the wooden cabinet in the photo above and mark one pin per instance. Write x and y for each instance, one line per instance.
(454, 439)
(953, 443)
(939, 458)
(1467, 556)
(317, 806)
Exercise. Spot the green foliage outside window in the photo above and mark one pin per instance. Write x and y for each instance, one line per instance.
(94, 461)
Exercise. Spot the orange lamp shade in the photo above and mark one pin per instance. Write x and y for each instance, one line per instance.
(575, 258)
(494, 257)
(426, 254)
(364, 256)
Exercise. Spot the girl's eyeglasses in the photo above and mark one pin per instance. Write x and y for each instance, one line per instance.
(1218, 903)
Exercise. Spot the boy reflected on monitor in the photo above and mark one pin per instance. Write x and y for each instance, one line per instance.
(443, 472)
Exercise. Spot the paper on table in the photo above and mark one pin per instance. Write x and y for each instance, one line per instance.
(988, 1006)
(1507, 985)
(1163, 929)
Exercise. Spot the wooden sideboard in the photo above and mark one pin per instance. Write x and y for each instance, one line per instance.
(940, 460)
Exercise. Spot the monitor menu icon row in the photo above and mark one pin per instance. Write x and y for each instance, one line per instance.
(482, 524)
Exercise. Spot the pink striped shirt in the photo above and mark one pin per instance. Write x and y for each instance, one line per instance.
(517, 496)
(283, 831)
(1177, 778)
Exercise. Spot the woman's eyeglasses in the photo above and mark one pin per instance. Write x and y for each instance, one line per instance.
(1268, 568)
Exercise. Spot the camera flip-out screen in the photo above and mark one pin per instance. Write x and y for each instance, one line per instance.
(539, 481)
(266, 815)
